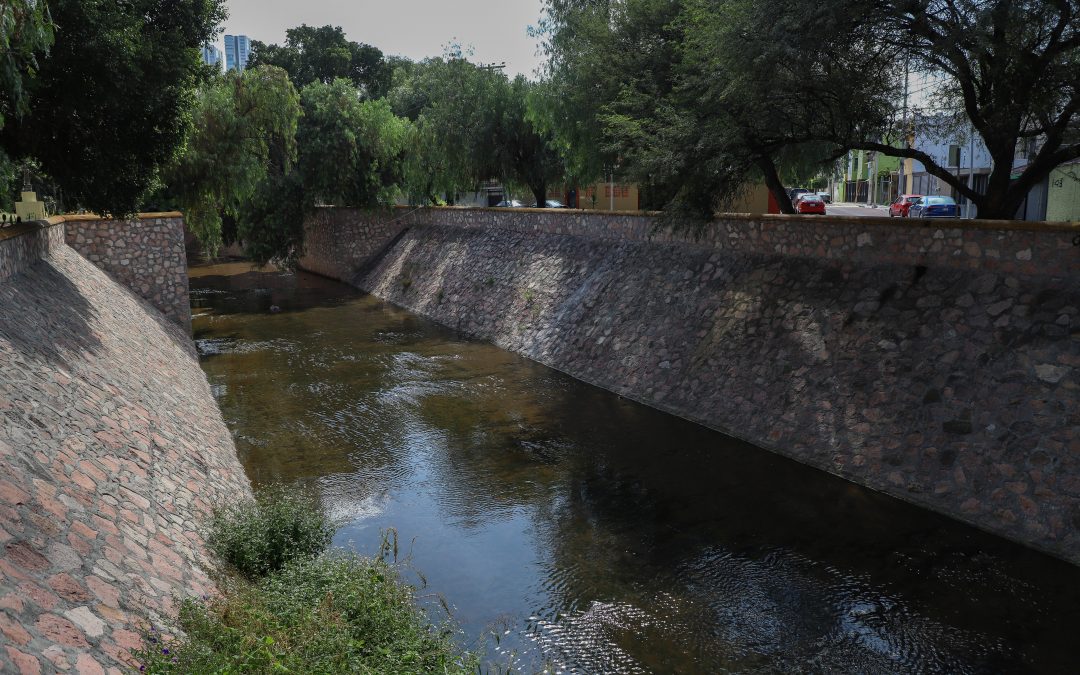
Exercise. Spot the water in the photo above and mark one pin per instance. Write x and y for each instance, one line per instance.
(571, 530)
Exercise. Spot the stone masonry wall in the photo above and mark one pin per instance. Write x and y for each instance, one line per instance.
(937, 364)
(112, 452)
(340, 242)
(146, 254)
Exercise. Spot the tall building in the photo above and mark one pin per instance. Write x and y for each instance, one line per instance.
(211, 56)
(237, 50)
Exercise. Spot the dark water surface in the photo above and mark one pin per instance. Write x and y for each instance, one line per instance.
(580, 532)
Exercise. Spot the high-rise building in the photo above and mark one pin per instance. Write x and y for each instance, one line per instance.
(211, 56)
(237, 50)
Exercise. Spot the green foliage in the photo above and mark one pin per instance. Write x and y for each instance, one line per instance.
(698, 98)
(335, 614)
(111, 104)
(584, 71)
(526, 154)
(244, 132)
(351, 150)
(26, 33)
(453, 105)
(259, 537)
(323, 55)
(271, 223)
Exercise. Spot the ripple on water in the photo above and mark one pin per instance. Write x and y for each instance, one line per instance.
(808, 617)
(232, 345)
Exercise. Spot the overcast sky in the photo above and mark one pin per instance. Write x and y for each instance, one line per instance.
(497, 30)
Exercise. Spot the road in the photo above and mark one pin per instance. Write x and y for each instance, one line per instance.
(849, 209)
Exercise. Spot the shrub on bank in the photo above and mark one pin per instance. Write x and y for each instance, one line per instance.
(259, 537)
(310, 611)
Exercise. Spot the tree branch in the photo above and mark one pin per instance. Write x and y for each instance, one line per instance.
(927, 161)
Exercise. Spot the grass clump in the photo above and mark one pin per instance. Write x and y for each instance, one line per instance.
(256, 538)
(289, 606)
(332, 614)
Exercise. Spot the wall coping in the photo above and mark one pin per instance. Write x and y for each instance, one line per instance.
(84, 217)
(28, 227)
(20, 229)
(899, 223)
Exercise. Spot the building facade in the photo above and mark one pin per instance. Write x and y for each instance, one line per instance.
(237, 51)
(211, 56)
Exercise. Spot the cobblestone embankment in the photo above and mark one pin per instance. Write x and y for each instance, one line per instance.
(935, 364)
(112, 450)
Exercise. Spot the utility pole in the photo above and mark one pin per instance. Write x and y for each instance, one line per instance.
(904, 128)
(971, 169)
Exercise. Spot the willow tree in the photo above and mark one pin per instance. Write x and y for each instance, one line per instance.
(244, 132)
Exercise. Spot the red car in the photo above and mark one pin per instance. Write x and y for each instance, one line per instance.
(809, 203)
(901, 206)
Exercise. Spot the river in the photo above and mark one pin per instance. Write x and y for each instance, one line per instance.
(570, 530)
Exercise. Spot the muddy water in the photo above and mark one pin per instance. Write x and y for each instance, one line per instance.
(571, 530)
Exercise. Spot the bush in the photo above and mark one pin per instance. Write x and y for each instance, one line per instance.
(259, 537)
(337, 613)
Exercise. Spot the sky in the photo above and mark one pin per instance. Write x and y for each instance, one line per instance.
(497, 30)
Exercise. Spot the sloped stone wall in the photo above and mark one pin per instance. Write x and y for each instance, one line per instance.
(112, 452)
(937, 364)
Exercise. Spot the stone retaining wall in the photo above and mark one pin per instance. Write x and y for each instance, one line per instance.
(112, 452)
(937, 364)
(146, 254)
(340, 242)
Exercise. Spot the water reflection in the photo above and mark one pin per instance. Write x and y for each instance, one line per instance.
(592, 534)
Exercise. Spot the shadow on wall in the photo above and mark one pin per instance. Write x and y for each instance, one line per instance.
(42, 313)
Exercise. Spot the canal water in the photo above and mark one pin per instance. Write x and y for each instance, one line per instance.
(570, 530)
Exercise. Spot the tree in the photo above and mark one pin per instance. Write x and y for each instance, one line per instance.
(111, 104)
(324, 54)
(455, 109)
(525, 154)
(244, 132)
(351, 150)
(26, 33)
(701, 98)
(583, 72)
(1010, 67)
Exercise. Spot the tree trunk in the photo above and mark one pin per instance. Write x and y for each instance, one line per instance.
(775, 185)
(540, 194)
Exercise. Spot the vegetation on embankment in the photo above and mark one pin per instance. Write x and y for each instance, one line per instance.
(288, 604)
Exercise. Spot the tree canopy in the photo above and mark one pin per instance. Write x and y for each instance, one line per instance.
(244, 131)
(324, 54)
(111, 103)
(1009, 68)
(26, 33)
(694, 98)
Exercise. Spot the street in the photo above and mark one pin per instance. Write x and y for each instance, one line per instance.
(856, 210)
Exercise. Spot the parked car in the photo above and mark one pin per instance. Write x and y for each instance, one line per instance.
(511, 204)
(825, 197)
(901, 205)
(794, 193)
(810, 202)
(554, 204)
(934, 207)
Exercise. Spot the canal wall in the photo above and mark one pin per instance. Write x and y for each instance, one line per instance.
(936, 362)
(112, 452)
(145, 253)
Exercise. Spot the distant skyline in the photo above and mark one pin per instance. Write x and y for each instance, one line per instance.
(495, 30)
